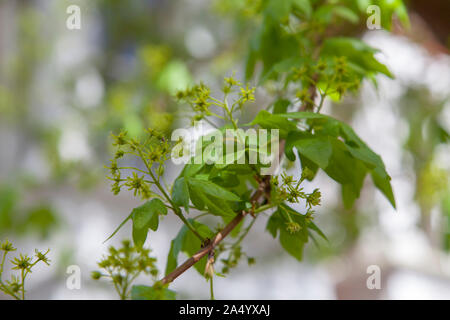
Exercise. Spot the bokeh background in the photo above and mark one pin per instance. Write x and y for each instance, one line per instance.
(62, 92)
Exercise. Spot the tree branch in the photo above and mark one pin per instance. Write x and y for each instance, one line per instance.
(256, 197)
(263, 188)
(261, 192)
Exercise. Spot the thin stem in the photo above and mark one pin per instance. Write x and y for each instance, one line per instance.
(132, 168)
(2, 264)
(322, 99)
(217, 115)
(3, 286)
(264, 208)
(131, 281)
(175, 208)
(124, 289)
(23, 284)
(220, 103)
(211, 288)
(230, 114)
(114, 282)
(241, 238)
(5, 289)
(201, 215)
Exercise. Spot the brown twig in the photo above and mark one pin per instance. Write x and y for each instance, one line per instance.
(262, 191)
(219, 236)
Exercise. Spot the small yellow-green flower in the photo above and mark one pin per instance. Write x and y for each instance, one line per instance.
(247, 94)
(22, 263)
(292, 227)
(7, 246)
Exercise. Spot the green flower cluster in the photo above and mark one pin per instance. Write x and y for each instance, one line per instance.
(331, 77)
(200, 100)
(153, 150)
(15, 287)
(290, 190)
(122, 266)
(234, 256)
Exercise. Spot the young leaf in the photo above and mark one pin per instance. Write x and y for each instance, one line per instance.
(351, 159)
(180, 193)
(291, 239)
(119, 227)
(141, 292)
(303, 5)
(191, 169)
(145, 217)
(217, 206)
(188, 243)
(359, 54)
(213, 189)
(346, 14)
(278, 10)
(281, 105)
(317, 149)
(268, 120)
(314, 227)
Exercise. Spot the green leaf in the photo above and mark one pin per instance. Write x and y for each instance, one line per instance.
(146, 217)
(213, 189)
(119, 227)
(188, 243)
(139, 236)
(349, 160)
(281, 105)
(192, 169)
(251, 59)
(176, 246)
(357, 53)
(346, 170)
(196, 199)
(225, 179)
(382, 181)
(317, 149)
(281, 67)
(314, 227)
(292, 242)
(324, 13)
(143, 215)
(180, 193)
(270, 45)
(141, 292)
(268, 120)
(308, 164)
(277, 10)
(304, 6)
(347, 14)
(217, 206)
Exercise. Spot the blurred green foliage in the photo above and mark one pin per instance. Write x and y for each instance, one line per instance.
(427, 133)
(18, 218)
